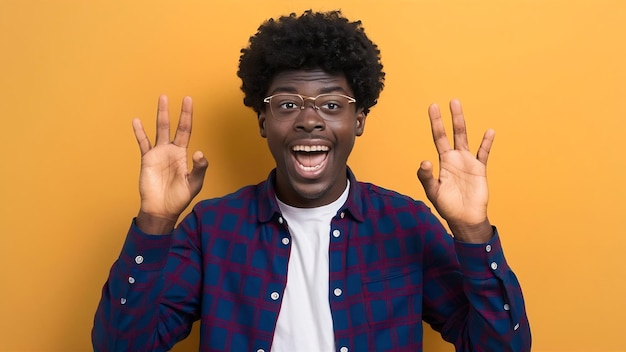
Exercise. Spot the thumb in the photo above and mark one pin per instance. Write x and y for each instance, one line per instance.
(425, 175)
(196, 176)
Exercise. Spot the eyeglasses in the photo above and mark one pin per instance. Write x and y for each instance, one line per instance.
(287, 106)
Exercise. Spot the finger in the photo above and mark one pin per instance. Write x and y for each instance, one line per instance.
(458, 126)
(183, 131)
(196, 176)
(140, 135)
(425, 175)
(485, 146)
(438, 131)
(163, 122)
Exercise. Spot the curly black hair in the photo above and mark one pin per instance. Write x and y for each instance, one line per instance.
(314, 40)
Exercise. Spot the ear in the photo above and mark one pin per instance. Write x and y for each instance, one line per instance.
(360, 122)
(261, 121)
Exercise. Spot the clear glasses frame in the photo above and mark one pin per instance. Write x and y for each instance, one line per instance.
(330, 106)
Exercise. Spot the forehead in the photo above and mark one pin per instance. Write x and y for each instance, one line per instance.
(309, 82)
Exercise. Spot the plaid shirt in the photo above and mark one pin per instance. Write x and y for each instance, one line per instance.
(392, 266)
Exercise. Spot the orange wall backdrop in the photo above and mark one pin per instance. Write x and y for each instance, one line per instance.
(548, 76)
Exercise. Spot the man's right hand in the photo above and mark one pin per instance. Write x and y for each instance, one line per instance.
(166, 186)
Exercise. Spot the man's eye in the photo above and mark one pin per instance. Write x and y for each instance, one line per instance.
(330, 105)
(288, 105)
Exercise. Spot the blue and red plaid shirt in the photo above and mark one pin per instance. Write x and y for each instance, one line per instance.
(392, 266)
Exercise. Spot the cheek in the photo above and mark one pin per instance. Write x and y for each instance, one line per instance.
(276, 144)
(276, 131)
(345, 139)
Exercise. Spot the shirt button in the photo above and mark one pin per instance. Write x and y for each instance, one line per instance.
(274, 296)
(343, 349)
(516, 327)
(343, 215)
(285, 241)
(506, 306)
(123, 300)
(337, 292)
(260, 350)
(131, 280)
(138, 259)
(336, 233)
(488, 248)
(494, 265)
(280, 220)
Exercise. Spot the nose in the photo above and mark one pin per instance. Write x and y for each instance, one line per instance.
(309, 119)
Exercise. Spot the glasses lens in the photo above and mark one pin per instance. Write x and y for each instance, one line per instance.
(332, 106)
(286, 106)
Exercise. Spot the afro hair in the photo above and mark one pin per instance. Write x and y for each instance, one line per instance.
(314, 40)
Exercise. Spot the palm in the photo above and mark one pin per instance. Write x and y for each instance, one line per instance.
(163, 183)
(462, 192)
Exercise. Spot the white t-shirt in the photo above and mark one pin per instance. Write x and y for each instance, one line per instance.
(304, 322)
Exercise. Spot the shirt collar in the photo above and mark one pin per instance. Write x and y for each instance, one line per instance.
(268, 206)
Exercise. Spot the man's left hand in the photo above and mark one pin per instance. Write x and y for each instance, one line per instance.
(460, 195)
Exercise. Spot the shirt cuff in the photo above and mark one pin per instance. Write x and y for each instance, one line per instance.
(484, 260)
(146, 252)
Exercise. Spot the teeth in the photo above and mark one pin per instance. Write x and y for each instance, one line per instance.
(310, 168)
(310, 148)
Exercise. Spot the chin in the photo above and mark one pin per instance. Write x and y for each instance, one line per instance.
(311, 193)
(308, 196)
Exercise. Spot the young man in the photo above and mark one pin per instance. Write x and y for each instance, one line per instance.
(311, 259)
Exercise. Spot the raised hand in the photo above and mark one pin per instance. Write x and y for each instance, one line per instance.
(460, 195)
(166, 186)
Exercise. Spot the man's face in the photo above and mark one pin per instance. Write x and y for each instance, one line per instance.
(310, 151)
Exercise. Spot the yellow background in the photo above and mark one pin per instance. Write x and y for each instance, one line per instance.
(548, 76)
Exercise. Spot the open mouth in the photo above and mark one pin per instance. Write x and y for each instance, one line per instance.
(310, 158)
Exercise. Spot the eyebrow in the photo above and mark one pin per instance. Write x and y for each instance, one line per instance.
(324, 90)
